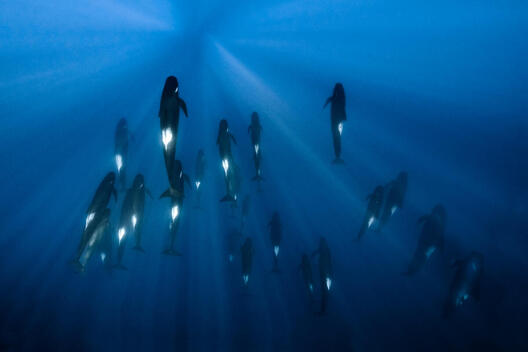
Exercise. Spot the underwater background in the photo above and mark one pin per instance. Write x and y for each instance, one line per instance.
(437, 89)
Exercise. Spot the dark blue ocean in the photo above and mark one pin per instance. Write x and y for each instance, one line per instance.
(437, 89)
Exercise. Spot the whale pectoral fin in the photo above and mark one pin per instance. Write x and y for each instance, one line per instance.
(165, 194)
(183, 107)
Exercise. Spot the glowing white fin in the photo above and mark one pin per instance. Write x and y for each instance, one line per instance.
(175, 211)
(197, 183)
(103, 257)
(328, 283)
(225, 165)
(393, 209)
(245, 278)
(119, 162)
(166, 137)
(92, 241)
(276, 250)
(340, 128)
(134, 221)
(257, 147)
(371, 221)
(121, 233)
(89, 218)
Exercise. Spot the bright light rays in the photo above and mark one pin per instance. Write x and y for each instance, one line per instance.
(64, 16)
(257, 95)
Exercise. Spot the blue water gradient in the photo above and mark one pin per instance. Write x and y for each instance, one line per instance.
(435, 88)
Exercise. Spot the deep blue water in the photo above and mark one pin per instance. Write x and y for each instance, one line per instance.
(434, 88)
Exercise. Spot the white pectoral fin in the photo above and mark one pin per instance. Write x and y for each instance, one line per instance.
(119, 162)
(175, 211)
(121, 233)
(328, 283)
(225, 165)
(89, 219)
(371, 221)
(166, 137)
(134, 221)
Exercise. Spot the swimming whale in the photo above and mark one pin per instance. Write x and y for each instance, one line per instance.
(255, 129)
(326, 273)
(223, 141)
(91, 238)
(431, 238)
(246, 252)
(395, 195)
(306, 268)
(176, 194)
(466, 282)
(101, 197)
(370, 220)
(140, 192)
(169, 115)
(275, 238)
(337, 118)
(121, 151)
